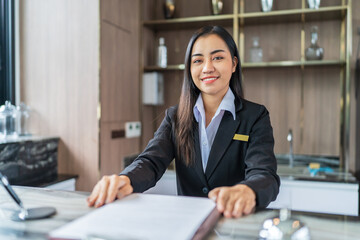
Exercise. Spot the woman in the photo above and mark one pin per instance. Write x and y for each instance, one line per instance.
(222, 144)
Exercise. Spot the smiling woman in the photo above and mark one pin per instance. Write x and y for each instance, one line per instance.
(222, 143)
(7, 62)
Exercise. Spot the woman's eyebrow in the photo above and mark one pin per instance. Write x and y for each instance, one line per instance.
(216, 51)
(197, 55)
(211, 53)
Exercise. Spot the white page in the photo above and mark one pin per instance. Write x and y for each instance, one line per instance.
(141, 216)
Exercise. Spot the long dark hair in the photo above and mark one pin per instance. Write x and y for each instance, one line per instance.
(185, 120)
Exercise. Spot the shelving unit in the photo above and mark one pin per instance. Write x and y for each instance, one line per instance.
(239, 19)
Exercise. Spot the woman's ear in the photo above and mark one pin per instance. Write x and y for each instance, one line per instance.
(235, 63)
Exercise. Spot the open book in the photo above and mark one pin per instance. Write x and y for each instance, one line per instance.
(145, 216)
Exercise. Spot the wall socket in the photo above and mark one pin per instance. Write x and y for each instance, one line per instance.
(132, 129)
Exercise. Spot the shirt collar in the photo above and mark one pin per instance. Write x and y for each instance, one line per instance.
(227, 104)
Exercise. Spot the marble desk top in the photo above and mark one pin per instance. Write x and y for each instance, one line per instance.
(26, 139)
(71, 205)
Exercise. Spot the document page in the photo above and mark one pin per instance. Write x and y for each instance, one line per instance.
(141, 216)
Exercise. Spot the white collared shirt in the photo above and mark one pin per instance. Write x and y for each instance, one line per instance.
(207, 134)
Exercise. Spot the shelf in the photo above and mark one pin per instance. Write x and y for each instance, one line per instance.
(292, 63)
(178, 67)
(282, 16)
(190, 22)
(294, 15)
(181, 67)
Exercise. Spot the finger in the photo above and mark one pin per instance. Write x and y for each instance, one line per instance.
(238, 208)
(229, 207)
(114, 185)
(222, 199)
(213, 194)
(124, 191)
(104, 184)
(93, 196)
(249, 207)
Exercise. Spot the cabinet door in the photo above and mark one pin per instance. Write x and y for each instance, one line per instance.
(321, 197)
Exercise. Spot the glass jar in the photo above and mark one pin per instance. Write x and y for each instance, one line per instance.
(256, 53)
(313, 4)
(23, 118)
(216, 6)
(314, 52)
(266, 5)
(8, 120)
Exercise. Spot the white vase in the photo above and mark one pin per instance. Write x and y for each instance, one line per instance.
(313, 4)
(216, 6)
(266, 5)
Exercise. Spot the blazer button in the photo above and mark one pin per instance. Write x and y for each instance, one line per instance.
(205, 190)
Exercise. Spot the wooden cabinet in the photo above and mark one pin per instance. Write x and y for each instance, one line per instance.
(315, 196)
(307, 96)
(119, 81)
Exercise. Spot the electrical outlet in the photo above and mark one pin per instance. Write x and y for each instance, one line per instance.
(132, 129)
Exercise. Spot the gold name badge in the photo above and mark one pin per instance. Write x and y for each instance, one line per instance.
(241, 137)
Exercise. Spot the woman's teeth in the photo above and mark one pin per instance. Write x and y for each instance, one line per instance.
(209, 79)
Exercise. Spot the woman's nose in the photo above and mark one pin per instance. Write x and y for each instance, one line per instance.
(208, 67)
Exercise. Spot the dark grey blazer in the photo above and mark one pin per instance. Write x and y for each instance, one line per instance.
(230, 161)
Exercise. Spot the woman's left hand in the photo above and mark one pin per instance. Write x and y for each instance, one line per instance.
(234, 201)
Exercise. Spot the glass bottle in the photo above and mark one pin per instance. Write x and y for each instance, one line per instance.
(256, 53)
(216, 6)
(7, 120)
(314, 52)
(313, 4)
(266, 5)
(162, 53)
(23, 118)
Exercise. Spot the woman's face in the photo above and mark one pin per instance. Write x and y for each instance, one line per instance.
(212, 65)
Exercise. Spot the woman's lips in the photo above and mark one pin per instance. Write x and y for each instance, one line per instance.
(209, 79)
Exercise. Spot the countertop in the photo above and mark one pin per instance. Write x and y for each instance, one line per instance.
(71, 205)
(26, 139)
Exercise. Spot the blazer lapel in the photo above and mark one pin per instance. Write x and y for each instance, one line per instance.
(198, 162)
(223, 138)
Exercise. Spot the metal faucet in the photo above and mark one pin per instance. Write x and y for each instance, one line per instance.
(291, 152)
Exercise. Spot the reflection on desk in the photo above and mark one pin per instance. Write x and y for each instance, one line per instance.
(71, 205)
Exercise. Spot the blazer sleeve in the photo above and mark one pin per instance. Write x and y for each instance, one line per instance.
(260, 161)
(151, 164)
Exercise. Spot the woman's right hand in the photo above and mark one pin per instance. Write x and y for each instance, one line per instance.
(108, 189)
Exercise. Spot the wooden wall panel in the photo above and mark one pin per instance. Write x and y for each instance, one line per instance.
(279, 90)
(119, 74)
(113, 151)
(120, 85)
(322, 111)
(60, 77)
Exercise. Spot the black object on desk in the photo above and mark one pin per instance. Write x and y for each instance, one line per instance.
(25, 214)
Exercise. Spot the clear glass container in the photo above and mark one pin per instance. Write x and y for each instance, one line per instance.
(313, 4)
(216, 7)
(266, 5)
(162, 53)
(284, 226)
(23, 119)
(314, 52)
(256, 53)
(8, 120)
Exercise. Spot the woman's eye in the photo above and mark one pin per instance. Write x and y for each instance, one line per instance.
(218, 58)
(197, 61)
